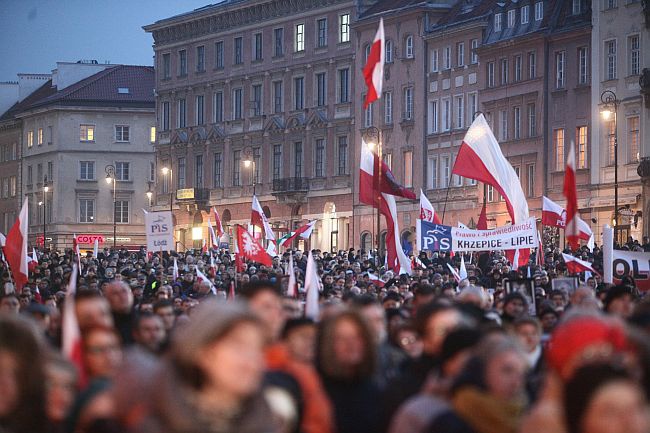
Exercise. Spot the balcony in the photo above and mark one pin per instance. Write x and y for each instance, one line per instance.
(290, 185)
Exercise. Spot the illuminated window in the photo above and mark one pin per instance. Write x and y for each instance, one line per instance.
(558, 142)
(581, 139)
(86, 132)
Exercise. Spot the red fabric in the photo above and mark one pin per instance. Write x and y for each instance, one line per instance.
(482, 218)
(217, 221)
(570, 192)
(249, 248)
(15, 249)
(373, 61)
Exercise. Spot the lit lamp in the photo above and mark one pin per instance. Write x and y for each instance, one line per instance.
(46, 188)
(608, 111)
(249, 164)
(165, 172)
(110, 178)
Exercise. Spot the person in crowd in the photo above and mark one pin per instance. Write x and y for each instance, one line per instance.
(10, 304)
(619, 301)
(120, 298)
(92, 309)
(299, 336)
(61, 380)
(528, 331)
(149, 332)
(165, 310)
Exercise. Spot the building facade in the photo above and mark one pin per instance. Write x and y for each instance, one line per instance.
(257, 97)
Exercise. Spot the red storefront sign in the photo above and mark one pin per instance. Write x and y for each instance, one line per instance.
(89, 239)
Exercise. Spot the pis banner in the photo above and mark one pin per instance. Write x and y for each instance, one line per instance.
(159, 227)
(633, 264)
(435, 237)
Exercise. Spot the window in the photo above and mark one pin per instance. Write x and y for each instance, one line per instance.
(368, 116)
(237, 104)
(474, 55)
(299, 93)
(490, 193)
(198, 171)
(299, 38)
(86, 133)
(446, 171)
(433, 117)
(39, 173)
(611, 142)
(322, 32)
(86, 210)
(633, 138)
(50, 170)
(236, 168)
(12, 186)
(472, 107)
(344, 28)
(460, 112)
(446, 58)
(166, 66)
(367, 53)
(388, 160)
(319, 163)
(218, 55)
(182, 63)
(433, 173)
(511, 18)
(343, 156)
(497, 22)
(182, 171)
(504, 71)
(182, 113)
(278, 42)
(152, 172)
(539, 11)
(583, 65)
(257, 47)
(408, 103)
(559, 69)
(321, 89)
(165, 182)
(576, 7)
(408, 47)
(122, 211)
(152, 134)
(460, 54)
(122, 171)
(297, 159)
(86, 170)
(277, 97)
(581, 139)
(238, 51)
(530, 190)
(217, 170)
(634, 55)
(388, 56)
(610, 59)
(446, 114)
(344, 85)
(611, 4)
(434, 60)
(200, 58)
(200, 110)
(388, 108)
(277, 161)
(257, 100)
(217, 103)
(165, 116)
(257, 159)
(40, 136)
(518, 63)
(504, 125)
(558, 144)
(517, 122)
(532, 65)
(408, 169)
(525, 12)
(490, 74)
(30, 179)
(30, 138)
(5, 189)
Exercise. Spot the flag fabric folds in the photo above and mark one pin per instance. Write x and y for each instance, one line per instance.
(373, 72)
(554, 215)
(249, 248)
(217, 223)
(15, 248)
(571, 231)
(462, 273)
(304, 232)
(259, 219)
(312, 287)
(292, 290)
(214, 240)
(427, 212)
(201, 276)
(575, 265)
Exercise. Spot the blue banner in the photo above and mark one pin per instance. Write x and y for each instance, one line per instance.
(433, 237)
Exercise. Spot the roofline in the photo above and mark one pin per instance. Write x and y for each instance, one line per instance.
(421, 5)
(201, 12)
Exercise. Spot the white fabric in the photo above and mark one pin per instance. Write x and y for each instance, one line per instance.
(427, 212)
(291, 288)
(312, 286)
(268, 231)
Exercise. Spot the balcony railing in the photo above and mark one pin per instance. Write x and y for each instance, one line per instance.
(291, 184)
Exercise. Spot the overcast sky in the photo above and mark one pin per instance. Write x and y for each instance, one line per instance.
(35, 34)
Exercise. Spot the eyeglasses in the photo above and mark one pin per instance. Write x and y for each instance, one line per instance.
(101, 350)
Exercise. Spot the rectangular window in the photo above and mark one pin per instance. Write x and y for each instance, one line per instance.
(182, 113)
(297, 159)
(511, 18)
(278, 42)
(152, 171)
(408, 169)
(583, 65)
(166, 66)
(446, 114)
(558, 144)
(344, 85)
(611, 4)
(86, 210)
(277, 97)
(30, 173)
(319, 162)
(611, 141)
(277, 161)
(408, 103)
(182, 63)
(446, 58)
(198, 171)
(122, 211)
(633, 138)
(433, 173)
(504, 71)
(200, 58)
(460, 112)
(634, 55)
(86, 170)
(217, 104)
(238, 51)
(530, 190)
(539, 11)
(368, 116)
(298, 93)
(344, 28)
(30, 138)
(559, 69)
(532, 65)
(218, 55)
(39, 173)
(321, 89)
(257, 100)
(166, 180)
(122, 171)
(50, 171)
(217, 170)
(237, 104)
(460, 54)
(497, 22)
(236, 168)
(257, 47)
(322, 32)
(434, 60)
(40, 136)
(165, 116)
(446, 171)
(182, 173)
(299, 38)
(200, 110)
(517, 122)
(343, 155)
(576, 7)
(581, 140)
(490, 194)
(12, 186)
(433, 117)
(525, 12)
(610, 59)
(518, 63)
(490, 74)
(152, 134)
(504, 125)
(86, 133)
(472, 107)
(474, 55)
(388, 160)
(408, 47)
(532, 121)
(388, 108)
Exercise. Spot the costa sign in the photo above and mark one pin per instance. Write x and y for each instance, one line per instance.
(89, 239)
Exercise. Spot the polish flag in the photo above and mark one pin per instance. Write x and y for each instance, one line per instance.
(304, 232)
(454, 273)
(553, 214)
(201, 276)
(292, 292)
(249, 248)
(70, 333)
(373, 72)
(482, 218)
(312, 287)
(239, 261)
(217, 222)
(95, 248)
(570, 191)
(32, 262)
(374, 279)
(575, 265)
(427, 212)
(259, 219)
(15, 248)
(214, 240)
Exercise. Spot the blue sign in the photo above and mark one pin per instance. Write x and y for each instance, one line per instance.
(434, 237)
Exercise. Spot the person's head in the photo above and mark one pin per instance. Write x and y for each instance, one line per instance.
(299, 335)
(619, 301)
(220, 350)
(265, 299)
(149, 331)
(433, 322)
(120, 297)
(514, 305)
(406, 337)
(92, 309)
(548, 319)
(61, 380)
(558, 299)
(102, 351)
(374, 313)
(473, 295)
(602, 398)
(424, 294)
(10, 304)
(457, 349)
(165, 310)
(529, 333)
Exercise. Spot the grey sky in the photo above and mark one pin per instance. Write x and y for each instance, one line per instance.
(35, 34)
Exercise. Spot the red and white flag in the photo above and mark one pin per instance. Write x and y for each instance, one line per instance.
(481, 224)
(427, 212)
(201, 276)
(454, 273)
(312, 287)
(373, 72)
(570, 191)
(292, 288)
(304, 232)
(259, 219)
(249, 248)
(575, 265)
(15, 248)
(217, 223)
(462, 273)
(540, 250)
(553, 214)
(70, 333)
(374, 279)
(214, 240)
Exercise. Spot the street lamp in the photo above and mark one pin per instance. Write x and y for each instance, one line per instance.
(249, 164)
(609, 113)
(46, 188)
(168, 171)
(372, 138)
(110, 177)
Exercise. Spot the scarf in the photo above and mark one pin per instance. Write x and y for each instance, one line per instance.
(485, 413)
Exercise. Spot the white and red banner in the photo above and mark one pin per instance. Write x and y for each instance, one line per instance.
(292, 287)
(373, 72)
(554, 215)
(258, 218)
(214, 240)
(633, 264)
(249, 248)
(15, 248)
(575, 265)
(427, 212)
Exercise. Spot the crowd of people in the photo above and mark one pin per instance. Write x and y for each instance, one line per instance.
(504, 350)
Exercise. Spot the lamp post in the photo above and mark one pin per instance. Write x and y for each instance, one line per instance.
(372, 138)
(149, 193)
(249, 163)
(168, 171)
(110, 178)
(46, 188)
(609, 113)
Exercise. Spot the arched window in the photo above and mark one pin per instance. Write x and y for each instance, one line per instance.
(266, 211)
(408, 47)
(366, 241)
(388, 56)
(382, 242)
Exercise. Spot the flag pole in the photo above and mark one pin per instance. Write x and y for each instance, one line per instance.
(379, 170)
